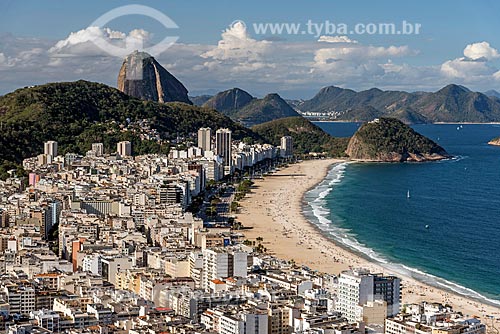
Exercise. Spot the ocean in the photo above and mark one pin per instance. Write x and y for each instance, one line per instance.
(446, 233)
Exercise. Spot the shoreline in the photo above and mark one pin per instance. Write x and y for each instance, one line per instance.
(288, 234)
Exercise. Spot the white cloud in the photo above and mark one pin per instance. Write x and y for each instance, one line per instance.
(336, 39)
(30, 55)
(283, 65)
(477, 51)
(466, 68)
(140, 34)
(83, 42)
(496, 75)
(236, 43)
(475, 66)
(4, 61)
(354, 65)
(358, 53)
(238, 59)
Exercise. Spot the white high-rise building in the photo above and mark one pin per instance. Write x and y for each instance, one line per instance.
(98, 149)
(220, 264)
(124, 148)
(286, 146)
(205, 139)
(358, 288)
(50, 148)
(92, 263)
(223, 148)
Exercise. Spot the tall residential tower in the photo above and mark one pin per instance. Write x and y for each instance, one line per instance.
(124, 148)
(286, 146)
(204, 139)
(50, 148)
(358, 289)
(223, 148)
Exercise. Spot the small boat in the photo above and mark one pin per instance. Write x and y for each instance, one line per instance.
(427, 226)
(408, 194)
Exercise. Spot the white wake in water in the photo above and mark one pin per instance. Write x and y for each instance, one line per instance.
(317, 206)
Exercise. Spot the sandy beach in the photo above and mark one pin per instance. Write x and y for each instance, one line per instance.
(273, 209)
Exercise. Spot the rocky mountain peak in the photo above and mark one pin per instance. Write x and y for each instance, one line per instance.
(229, 100)
(143, 77)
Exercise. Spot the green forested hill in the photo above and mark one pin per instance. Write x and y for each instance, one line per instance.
(307, 137)
(75, 114)
(389, 139)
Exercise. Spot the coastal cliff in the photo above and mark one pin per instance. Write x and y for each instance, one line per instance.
(390, 140)
(495, 142)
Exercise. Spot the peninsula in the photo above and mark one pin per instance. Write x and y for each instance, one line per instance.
(390, 140)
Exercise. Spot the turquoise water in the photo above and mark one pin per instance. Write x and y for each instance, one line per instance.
(365, 207)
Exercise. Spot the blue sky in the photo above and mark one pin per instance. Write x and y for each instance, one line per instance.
(30, 29)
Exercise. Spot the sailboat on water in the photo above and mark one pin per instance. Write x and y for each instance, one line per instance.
(408, 194)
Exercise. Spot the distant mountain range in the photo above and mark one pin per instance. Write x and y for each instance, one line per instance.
(453, 103)
(248, 110)
(199, 100)
(492, 93)
(143, 77)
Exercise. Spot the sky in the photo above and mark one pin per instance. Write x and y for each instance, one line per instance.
(216, 45)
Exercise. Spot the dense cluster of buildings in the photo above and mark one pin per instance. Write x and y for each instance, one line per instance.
(432, 318)
(103, 243)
